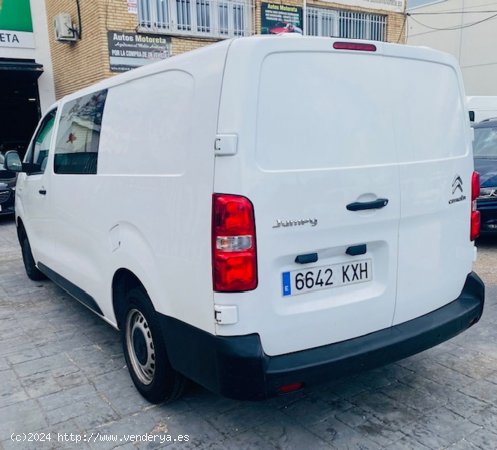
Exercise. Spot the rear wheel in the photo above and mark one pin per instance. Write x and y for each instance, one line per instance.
(145, 351)
(29, 263)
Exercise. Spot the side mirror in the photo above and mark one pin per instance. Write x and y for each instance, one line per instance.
(13, 161)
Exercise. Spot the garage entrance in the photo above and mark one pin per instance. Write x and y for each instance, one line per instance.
(20, 104)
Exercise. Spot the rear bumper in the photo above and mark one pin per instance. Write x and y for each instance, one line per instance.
(237, 367)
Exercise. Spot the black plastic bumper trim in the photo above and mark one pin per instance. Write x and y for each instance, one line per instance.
(238, 368)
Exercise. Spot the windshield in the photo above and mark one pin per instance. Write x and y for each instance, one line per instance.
(485, 143)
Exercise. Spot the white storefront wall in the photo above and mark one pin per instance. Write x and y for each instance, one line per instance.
(10, 48)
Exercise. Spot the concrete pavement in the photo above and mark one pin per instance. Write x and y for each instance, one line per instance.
(62, 372)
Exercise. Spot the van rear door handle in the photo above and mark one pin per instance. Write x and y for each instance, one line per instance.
(375, 204)
(307, 259)
(43, 191)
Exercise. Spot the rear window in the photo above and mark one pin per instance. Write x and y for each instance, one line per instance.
(78, 135)
(485, 143)
(326, 110)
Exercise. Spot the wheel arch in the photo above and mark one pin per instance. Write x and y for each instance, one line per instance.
(123, 280)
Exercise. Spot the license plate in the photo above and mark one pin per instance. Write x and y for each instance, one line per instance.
(325, 277)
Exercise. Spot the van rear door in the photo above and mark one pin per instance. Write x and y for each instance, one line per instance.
(436, 165)
(316, 156)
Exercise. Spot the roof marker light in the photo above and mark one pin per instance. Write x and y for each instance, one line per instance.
(354, 46)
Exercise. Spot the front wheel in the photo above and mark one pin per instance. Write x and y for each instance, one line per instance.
(145, 351)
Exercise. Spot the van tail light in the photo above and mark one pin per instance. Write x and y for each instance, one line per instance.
(475, 215)
(354, 46)
(234, 251)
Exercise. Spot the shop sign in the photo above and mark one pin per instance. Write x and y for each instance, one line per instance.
(276, 18)
(16, 25)
(130, 50)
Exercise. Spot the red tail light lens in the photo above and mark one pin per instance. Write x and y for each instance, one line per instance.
(354, 46)
(475, 186)
(475, 215)
(234, 254)
(290, 388)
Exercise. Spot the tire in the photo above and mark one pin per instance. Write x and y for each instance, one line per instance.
(145, 351)
(29, 263)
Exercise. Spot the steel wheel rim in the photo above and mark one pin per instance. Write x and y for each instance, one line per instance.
(139, 340)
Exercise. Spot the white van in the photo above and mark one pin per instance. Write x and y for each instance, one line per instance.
(262, 213)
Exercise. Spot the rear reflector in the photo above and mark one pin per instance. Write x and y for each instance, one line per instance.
(290, 388)
(234, 255)
(475, 225)
(354, 46)
(475, 215)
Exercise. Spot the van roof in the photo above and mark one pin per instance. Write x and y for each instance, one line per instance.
(247, 44)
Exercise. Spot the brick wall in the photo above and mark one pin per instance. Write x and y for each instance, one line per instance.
(77, 65)
(117, 18)
(396, 28)
(182, 45)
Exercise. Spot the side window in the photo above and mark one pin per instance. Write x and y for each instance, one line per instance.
(38, 152)
(78, 135)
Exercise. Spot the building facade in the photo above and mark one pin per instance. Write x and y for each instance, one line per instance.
(465, 28)
(117, 35)
(26, 75)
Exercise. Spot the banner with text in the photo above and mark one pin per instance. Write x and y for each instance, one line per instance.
(276, 18)
(130, 50)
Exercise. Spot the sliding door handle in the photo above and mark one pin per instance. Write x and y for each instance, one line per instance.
(361, 206)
